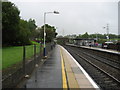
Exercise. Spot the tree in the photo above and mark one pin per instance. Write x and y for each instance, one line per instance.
(50, 32)
(85, 35)
(27, 31)
(32, 27)
(16, 31)
(10, 23)
(24, 32)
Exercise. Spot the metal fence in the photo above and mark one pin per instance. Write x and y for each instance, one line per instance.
(28, 66)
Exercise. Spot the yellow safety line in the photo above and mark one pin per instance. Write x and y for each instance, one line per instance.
(64, 80)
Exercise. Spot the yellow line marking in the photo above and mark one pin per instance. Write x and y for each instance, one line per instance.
(72, 82)
(64, 80)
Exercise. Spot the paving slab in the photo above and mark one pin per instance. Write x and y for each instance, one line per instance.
(49, 75)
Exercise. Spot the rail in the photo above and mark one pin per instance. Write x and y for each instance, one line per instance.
(106, 75)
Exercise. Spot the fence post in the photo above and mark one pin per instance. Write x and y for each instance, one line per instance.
(24, 55)
(40, 49)
(41, 53)
(34, 54)
(35, 63)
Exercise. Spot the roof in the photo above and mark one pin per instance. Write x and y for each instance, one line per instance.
(84, 39)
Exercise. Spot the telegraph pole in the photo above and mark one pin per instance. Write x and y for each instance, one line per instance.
(63, 33)
(107, 28)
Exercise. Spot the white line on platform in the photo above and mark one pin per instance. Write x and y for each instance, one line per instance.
(86, 74)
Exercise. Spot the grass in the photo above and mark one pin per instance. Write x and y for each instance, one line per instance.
(33, 42)
(13, 55)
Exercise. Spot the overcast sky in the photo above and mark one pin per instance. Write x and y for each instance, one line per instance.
(75, 17)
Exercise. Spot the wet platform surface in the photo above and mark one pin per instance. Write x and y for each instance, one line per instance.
(49, 75)
(60, 70)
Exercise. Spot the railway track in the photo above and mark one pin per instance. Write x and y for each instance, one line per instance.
(111, 64)
(104, 72)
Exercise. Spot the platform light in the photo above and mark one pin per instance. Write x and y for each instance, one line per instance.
(55, 12)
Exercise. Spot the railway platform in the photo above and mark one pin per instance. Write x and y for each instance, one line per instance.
(60, 70)
(96, 48)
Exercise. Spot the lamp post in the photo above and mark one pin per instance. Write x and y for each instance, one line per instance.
(55, 12)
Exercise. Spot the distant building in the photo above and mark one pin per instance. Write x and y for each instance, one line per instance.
(84, 41)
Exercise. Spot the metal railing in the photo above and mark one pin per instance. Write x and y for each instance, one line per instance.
(26, 69)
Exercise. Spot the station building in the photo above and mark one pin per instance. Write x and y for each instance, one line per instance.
(84, 41)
